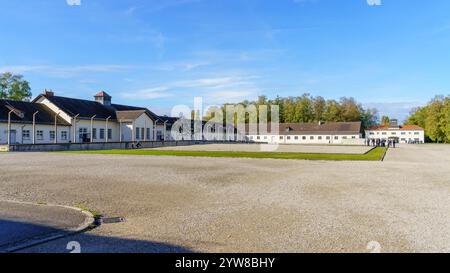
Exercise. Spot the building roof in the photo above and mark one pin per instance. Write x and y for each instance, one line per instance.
(86, 109)
(328, 128)
(129, 115)
(400, 128)
(24, 113)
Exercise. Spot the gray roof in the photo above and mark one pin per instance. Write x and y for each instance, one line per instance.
(328, 128)
(86, 109)
(23, 113)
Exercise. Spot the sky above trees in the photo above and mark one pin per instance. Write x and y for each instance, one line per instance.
(159, 53)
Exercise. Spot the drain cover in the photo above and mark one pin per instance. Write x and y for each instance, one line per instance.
(112, 220)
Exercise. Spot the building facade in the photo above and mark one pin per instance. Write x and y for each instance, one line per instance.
(398, 133)
(308, 133)
(53, 119)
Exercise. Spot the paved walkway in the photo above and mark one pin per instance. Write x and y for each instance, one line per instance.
(25, 224)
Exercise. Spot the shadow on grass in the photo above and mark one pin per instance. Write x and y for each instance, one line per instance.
(15, 234)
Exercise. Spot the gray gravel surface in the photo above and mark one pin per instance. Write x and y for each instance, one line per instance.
(175, 204)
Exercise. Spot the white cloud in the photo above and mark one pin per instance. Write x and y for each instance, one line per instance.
(64, 70)
(149, 93)
(215, 90)
(374, 2)
(73, 2)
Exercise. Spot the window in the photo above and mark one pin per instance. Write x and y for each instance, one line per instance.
(311, 138)
(109, 133)
(288, 138)
(258, 137)
(296, 138)
(148, 134)
(281, 137)
(94, 133)
(416, 133)
(371, 133)
(344, 137)
(328, 137)
(320, 138)
(304, 138)
(64, 135)
(384, 133)
(403, 133)
(143, 135)
(336, 138)
(393, 133)
(83, 134)
(353, 137)
(52, 135)
(26, 135)
(102, 133)
(265, 137)
(40, 135)
(159, 135)
(138, 131)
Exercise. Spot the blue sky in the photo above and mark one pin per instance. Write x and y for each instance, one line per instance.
(158, 53)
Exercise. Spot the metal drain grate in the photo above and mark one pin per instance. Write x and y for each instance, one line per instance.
(112, 220)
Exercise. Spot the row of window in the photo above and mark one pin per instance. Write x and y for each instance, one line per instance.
(303, 137)
(394, 133)
(26, 134)
(101, 133)
(140, 133)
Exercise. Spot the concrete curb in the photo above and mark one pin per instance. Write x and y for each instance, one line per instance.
(88, 223)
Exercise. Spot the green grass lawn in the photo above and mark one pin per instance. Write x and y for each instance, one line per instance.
(373, 155)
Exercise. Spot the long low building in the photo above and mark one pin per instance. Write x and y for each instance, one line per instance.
(53, 119)
(396, 132)
(308, 133)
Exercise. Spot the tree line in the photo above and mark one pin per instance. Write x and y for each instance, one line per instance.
(307, 108)
(434, 118)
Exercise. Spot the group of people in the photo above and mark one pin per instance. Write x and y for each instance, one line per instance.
(381, 142)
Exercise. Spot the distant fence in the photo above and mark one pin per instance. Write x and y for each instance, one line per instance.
(103, 146)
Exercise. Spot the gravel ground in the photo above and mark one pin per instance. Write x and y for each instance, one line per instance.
(321, 149)
(177, 204)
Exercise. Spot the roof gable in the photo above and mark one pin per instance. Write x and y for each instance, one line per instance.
(25, 112)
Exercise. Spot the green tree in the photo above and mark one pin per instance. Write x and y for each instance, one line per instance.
(333, 111)
(434, 118)
(369, 118)
(433, 125)
(385, 120)
(14, 87)
(319, 108)
(351, 110)
(303, 109)
(445, 119)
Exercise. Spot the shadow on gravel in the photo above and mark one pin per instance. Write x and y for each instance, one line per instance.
(15, 233)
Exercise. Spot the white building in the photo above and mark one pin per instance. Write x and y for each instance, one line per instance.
(309, 133)
(393, 131)
(53, 119)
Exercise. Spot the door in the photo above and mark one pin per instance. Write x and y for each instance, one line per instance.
(13, 136)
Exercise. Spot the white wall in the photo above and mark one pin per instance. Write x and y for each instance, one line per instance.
(403, 135)
(129, 129)
(304, 139)
(21, 139)
(98, 125)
